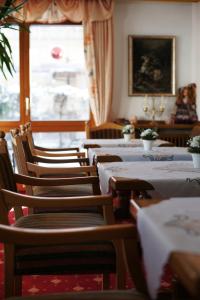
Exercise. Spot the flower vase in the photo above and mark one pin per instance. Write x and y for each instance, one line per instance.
(148, 144)
(127, 137)
(196, 160)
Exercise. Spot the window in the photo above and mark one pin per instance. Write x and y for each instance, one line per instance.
(9, 88)
(58, 82)
(49, 87)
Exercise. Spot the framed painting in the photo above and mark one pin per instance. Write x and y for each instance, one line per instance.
(151, 65)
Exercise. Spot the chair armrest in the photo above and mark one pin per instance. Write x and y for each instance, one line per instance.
(61, 236)
(50, 154)
(13, 199)
(42, 171)
(60, 161)
(34, 181)
(87, 146)
(107, 158)
(56, 149)
(121, 183)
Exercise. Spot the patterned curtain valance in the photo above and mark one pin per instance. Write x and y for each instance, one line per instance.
(55, 11)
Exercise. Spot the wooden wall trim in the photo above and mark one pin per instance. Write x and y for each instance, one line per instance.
(57, 126)
(47, 126)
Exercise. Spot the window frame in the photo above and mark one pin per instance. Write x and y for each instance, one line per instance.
(24, 61)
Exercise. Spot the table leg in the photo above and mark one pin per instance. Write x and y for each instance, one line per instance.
(122, 203)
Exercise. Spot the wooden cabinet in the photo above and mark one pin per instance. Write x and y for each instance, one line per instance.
(177, 134)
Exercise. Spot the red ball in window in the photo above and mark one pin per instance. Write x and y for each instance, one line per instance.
(56, 52)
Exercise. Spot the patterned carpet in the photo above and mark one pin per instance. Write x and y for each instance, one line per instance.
(33, 285)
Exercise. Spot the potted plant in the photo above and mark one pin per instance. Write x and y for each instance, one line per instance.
(194, 149)
(6, 21)
(148, 136)
(128, 132)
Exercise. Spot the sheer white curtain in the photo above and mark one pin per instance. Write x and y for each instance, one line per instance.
(96, 16)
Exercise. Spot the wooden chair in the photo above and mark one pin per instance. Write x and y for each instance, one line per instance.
(169, 144)
(179, 140)
(108, 130)
(18, 240)
(106, 158)
(9, 179)
(98, 259)
(195, 131)
(36, 155)
(51, 187)
(48, 152)
(27, 165)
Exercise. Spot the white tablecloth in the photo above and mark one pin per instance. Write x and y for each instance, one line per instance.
(169, 178)
(119, 142)
(172, 225)
(138, 153)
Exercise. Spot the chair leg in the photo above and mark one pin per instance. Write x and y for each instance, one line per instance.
(120, 265)
(8, 285)
(9, 277)
(106, 281)
(18, 285)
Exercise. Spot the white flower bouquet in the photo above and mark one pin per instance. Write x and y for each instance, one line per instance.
(194, 144)
(128, 129)
(149, 134)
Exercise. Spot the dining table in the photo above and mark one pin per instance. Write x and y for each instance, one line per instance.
(128, 154)
(169, 178)
(97, 143)
(169, 233)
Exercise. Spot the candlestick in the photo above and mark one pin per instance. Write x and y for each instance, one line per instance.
(145, 106)
(154, 109)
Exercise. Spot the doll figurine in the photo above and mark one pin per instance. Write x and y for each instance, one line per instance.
(186, 105)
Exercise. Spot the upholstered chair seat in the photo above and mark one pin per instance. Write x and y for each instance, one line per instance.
(74, 257)
(62, 191)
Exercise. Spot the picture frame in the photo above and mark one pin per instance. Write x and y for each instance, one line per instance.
(151, 65)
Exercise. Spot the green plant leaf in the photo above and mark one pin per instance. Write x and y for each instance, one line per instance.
(6, 42)
(9, 7)
(6, 10)
(5, 55)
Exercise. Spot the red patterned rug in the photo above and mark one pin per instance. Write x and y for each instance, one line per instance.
(33, 285)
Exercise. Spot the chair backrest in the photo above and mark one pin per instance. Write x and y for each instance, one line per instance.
(179, 140)
(19, 144)
(27, 141)
(169, 144)
(108, 130)
(28, 129)
(24, 158)
(195, 131)
(33, 155)
(107, 158)
(7, 180)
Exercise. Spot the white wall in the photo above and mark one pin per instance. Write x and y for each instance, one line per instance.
(153, 18)
(196, 50)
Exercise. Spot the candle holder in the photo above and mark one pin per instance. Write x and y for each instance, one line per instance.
(154, 109)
